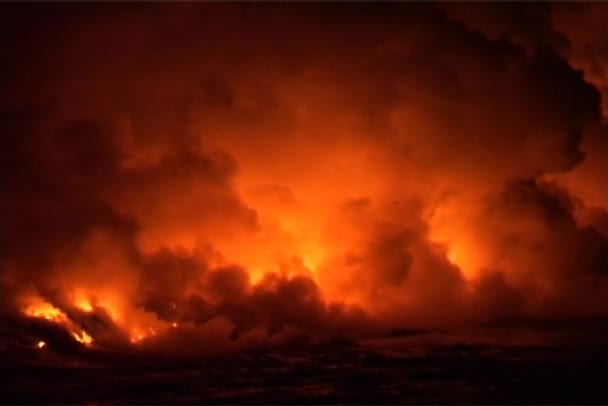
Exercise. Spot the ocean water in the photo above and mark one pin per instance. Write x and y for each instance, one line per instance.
(475, 366)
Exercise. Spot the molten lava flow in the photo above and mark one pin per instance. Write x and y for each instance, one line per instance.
(82, 337)
(41, 309)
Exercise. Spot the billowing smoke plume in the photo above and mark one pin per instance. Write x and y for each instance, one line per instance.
(236, 173)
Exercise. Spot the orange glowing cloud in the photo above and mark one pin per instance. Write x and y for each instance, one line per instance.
(438, 161)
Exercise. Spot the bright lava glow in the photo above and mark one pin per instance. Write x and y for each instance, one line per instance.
(38, 308)
(83, 304)
(138, 335)
(83, 337)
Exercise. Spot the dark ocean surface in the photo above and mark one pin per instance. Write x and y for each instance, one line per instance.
(481, 366)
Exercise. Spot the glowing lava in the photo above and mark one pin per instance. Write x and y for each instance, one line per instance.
(44, 310)
(83, 304)
(82, 337)
(87, 301)
(138, 334)
(40, 309)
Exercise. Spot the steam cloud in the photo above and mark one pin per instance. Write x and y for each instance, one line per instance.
(247, 170)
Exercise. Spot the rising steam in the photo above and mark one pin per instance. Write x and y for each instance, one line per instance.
(230, 174)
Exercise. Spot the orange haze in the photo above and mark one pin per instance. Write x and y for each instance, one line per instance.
(230, 174)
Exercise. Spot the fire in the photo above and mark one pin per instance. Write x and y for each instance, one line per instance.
(41, 344)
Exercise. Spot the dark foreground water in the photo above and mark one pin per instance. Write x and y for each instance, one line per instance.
(483, 366)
